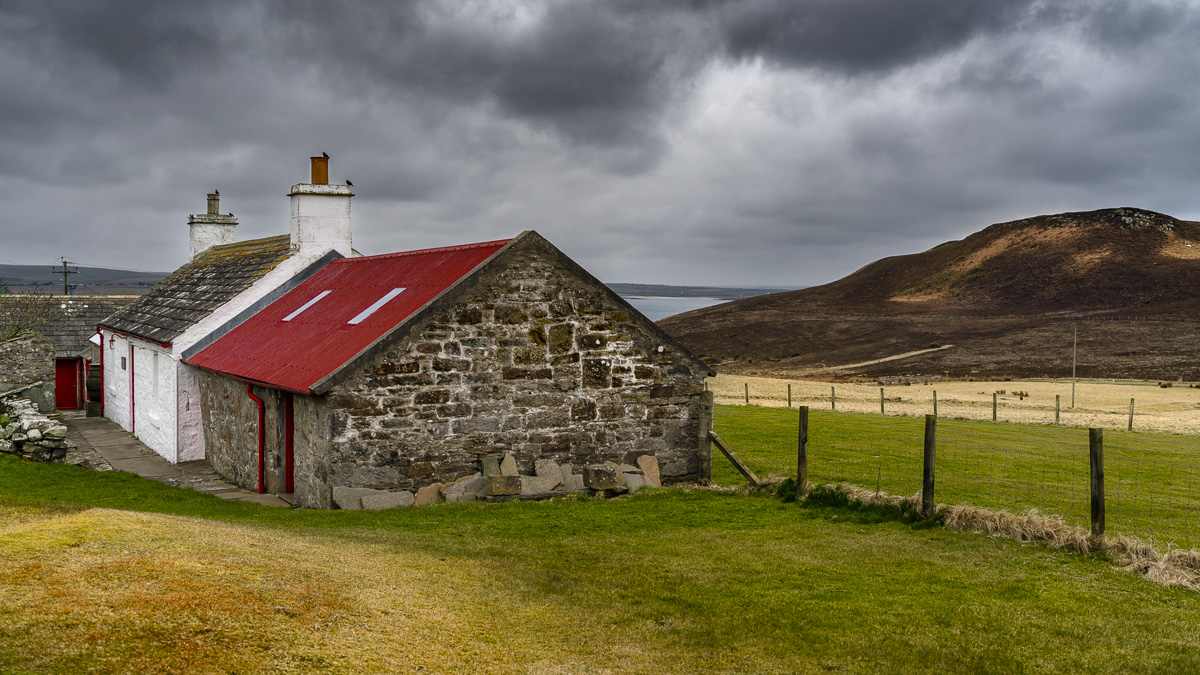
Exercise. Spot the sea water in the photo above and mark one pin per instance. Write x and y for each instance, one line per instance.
(656, 308)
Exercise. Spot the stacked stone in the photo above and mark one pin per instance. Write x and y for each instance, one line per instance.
(501, 482)
(31, 434)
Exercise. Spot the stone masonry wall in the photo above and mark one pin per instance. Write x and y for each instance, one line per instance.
(27, 360)
(230, 420)
(536, 363)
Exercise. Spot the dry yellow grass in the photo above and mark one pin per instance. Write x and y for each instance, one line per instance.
(1099, 403)
(114, 591)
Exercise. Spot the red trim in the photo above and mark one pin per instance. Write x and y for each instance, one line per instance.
(132, 398)
(289, 443)
(262, 437)
(101, 370)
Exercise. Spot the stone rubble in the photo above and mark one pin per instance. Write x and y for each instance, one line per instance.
(32, 435)
(552, 480)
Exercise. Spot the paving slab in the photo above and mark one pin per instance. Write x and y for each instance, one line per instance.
(124, 453)
(147, 467)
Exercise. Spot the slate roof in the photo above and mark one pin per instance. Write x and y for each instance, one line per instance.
(75, 318)
(193, 291)
(331, 317)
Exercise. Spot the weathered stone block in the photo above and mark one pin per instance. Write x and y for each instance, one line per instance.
(471, 485)
(503, 485)
(592, 341)
(475, 425)
(527, 373)
(546, 468)
(56, 431)
(462, 498)
(597, 373)
(535, 484)
(600, 477)
(432, 397)
(508, 465)
(445, 364)
(388, 500)
(429, 494)
(634, 480)
(491, 466)
(583, 409)
(649, 466)
(350, 498)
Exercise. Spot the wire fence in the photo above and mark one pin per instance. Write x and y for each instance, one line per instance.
(1151, 481)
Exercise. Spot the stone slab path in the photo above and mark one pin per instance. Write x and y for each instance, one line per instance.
(104, 446)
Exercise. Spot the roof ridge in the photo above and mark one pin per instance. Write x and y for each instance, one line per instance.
(423, 251)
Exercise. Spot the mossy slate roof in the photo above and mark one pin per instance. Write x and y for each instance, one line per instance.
(193, 291)
(73, 318)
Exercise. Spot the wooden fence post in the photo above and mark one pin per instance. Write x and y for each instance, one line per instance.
(1057, 409)
(1096, 454)
(1131, 414)
(789, 394)
(802, 454)
(927, 476)
(881, 401)
(935, 402)
(747, 384)
(832, 399)
(993, 406)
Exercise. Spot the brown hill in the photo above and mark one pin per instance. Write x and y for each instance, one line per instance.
(1004, 297)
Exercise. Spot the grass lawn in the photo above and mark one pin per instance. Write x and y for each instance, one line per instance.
(1152, 481)
(112, 573)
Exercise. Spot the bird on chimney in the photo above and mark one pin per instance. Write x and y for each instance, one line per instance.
(349, 183)
(217, 193)
(325, 155)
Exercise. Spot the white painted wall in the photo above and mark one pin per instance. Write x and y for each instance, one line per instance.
(321, 218)
(190, 430)
(154, 398)
(116, 379)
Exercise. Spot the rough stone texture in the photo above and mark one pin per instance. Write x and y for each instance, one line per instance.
(350, 498)
(29, 435)
(545, 468)
(531, 358)
(429, 494)
(508, 466)
(649, 466)
(27, 360)
(387, 500)
(503, 485)
(537, 484)
(600, 477)
(634, 480)
(491, 466)
(470, 485)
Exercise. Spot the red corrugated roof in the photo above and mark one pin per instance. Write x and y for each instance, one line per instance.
(296, 353)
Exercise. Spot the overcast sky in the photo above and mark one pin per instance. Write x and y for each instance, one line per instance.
(748, 142)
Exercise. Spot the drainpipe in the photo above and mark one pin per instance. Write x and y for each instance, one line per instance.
(102, 397)
(132, 398)
(262, 437)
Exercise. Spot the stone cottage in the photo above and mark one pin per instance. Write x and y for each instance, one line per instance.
(397, 372)
(148, 389)
(69, 320)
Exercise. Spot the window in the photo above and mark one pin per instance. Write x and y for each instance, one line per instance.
(306, 305)
(375, 307)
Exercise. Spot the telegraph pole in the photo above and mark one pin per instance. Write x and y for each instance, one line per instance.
(65, 274)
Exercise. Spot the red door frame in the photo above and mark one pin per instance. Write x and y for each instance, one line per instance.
(60, 380)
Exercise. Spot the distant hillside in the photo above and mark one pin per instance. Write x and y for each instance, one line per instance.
(88, 281)
(1004, 297)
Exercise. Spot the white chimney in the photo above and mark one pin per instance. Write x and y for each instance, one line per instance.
(321, 213)
(211, 229)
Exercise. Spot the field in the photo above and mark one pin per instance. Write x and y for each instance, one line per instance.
(1098, 403)
(1152, 481)
(113, 573)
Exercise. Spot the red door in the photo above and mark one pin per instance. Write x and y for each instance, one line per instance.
(66, 383)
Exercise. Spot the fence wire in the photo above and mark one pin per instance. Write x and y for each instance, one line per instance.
(1152, 481)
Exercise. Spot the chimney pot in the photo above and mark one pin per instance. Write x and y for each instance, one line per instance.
(214, 204)
(320, 170)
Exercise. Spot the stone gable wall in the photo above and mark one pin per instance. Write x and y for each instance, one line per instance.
(27, 360)
(535, 363)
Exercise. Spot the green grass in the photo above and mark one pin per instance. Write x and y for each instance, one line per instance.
(1152, 481)
(669, 581)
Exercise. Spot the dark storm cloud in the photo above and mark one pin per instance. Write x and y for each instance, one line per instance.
(703, 141)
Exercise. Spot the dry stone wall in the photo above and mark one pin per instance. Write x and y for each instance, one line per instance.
(534, 362)
(28, 433)
(25, 361)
